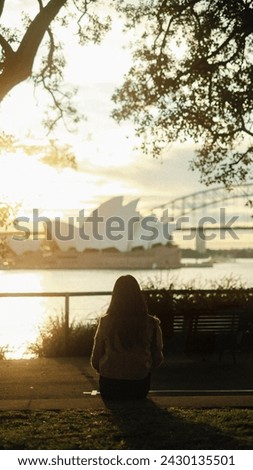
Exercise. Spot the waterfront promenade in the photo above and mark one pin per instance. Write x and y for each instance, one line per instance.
(65, 383)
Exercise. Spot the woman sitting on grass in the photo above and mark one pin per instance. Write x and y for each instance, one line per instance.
(127, 344)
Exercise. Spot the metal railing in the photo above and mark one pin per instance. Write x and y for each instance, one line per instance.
(65, 295)
(169, 294)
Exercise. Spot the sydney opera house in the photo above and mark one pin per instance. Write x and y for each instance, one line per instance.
(114, 236)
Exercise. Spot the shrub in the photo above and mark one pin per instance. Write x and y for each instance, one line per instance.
(226, 294)
(51, 341)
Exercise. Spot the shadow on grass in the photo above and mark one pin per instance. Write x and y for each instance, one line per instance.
(143, 425)
(123, 426)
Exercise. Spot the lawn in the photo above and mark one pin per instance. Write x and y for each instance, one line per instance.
(128, 427)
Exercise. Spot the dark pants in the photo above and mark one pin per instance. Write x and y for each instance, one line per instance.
(113, 389)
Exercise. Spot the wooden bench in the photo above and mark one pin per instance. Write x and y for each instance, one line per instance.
(205, 333)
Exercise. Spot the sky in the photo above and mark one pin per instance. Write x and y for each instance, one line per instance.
(108, 162)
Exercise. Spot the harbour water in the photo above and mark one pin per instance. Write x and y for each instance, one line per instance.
(21, 318)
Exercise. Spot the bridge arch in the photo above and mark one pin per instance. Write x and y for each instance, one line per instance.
(189, 203)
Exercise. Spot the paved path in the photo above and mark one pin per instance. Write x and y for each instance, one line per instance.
(213, 401)
(181, 382)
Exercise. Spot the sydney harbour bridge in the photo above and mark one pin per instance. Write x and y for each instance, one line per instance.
(210, 209)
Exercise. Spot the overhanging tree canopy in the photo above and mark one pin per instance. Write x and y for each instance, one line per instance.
(206, 94)
(19, 49)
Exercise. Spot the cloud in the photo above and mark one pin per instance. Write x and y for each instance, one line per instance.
(155, 181)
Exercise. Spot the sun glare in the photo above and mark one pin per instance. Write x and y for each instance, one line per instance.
(178, 48)
(20, 317)
(36, 185)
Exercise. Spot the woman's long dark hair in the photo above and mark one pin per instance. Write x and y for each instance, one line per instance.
(128, 312)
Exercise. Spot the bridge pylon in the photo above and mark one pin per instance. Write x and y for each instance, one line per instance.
(200, 241)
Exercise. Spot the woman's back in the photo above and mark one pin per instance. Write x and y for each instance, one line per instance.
(127, 344)
(124, 360)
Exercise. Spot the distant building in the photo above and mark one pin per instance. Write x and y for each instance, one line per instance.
(112, 236)
(111, 225)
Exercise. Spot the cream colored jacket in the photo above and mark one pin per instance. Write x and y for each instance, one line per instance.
(131, 364)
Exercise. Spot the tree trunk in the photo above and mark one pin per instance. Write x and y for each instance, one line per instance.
(18, 65)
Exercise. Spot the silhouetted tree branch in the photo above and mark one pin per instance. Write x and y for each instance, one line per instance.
(18, 65)
(52, 153)
(206, 94)
(18, 52)
(1, 6)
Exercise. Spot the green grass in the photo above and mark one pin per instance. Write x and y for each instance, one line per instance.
(139, 426)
